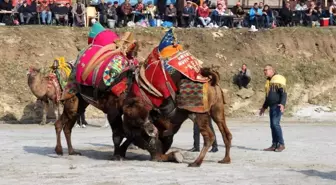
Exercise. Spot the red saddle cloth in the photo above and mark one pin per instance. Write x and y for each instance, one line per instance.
(158, 77)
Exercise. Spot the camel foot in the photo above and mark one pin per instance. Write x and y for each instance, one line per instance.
(226, 160)
(74, 153)
(194, 165)
(43, 123)
(117, 158)
(59, 150)
(178, 157)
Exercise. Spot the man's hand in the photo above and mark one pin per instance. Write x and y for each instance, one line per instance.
(282, 108)
(262, 111)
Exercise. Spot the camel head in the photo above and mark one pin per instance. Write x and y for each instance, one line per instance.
(136, 117)
(32, 71)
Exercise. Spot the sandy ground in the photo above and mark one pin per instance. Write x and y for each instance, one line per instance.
(27, 157)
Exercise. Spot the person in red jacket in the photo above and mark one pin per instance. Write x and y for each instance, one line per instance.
(203, 14)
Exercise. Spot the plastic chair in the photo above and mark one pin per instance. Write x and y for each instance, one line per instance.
(91, 13)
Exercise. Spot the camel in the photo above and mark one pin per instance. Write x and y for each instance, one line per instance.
(42, 87)
(46, 87)
(109, 47)
(136, 114)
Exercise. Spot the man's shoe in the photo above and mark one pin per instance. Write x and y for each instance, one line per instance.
(214, 149)
(272, 148)
(280, 148)
(194, 150)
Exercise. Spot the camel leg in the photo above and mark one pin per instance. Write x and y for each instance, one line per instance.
(56, 110)
(58, 128)
(45, 112)
(124, 146)
(218, 115)
(67, 132)
(69, 111)
(115, 121)
(203, 122)
(75, 106)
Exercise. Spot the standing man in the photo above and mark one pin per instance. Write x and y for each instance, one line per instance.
(276, 97)
(244, 77)
(196, 147)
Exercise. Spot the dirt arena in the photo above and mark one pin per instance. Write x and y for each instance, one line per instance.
(27, 157)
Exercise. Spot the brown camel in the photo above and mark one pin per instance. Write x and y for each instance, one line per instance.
(43, 89)
(135, 113)
(106, 101)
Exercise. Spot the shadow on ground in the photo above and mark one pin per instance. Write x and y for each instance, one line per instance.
(138, 155)
(314, 173)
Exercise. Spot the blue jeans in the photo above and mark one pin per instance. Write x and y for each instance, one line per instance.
(275, 117)
(332, 19)
(45, 15)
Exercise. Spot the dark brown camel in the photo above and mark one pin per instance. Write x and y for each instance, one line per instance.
(132, 116)
(106, 102)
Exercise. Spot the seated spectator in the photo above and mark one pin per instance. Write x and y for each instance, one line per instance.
(218, 15)
(139, 9)
(61, 12)
(312, 14)
(112, 11)
(70, 17)
(126, 11)
(188, 14)
(237, 10)
(286, 15)
(25, 13)
(243, 77)
(52, 5)
(102, 9)
(261, 5)
(332, 12)
(320, 11)
(18, 5)
(301, 6)
(203, 14)
(45, 12)
(267, 16)
(256, 15)
(79, 13)
(228, 18)
(7, 6)
(170, 14)
(151, 10)
(33, 6)
(300, 10)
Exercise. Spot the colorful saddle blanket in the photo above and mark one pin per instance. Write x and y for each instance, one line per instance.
(108, 70)
(193, 96)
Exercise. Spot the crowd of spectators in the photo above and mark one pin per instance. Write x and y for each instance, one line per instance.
(180, 14)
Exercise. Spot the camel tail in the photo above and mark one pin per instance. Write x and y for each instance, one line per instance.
(213, 75)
